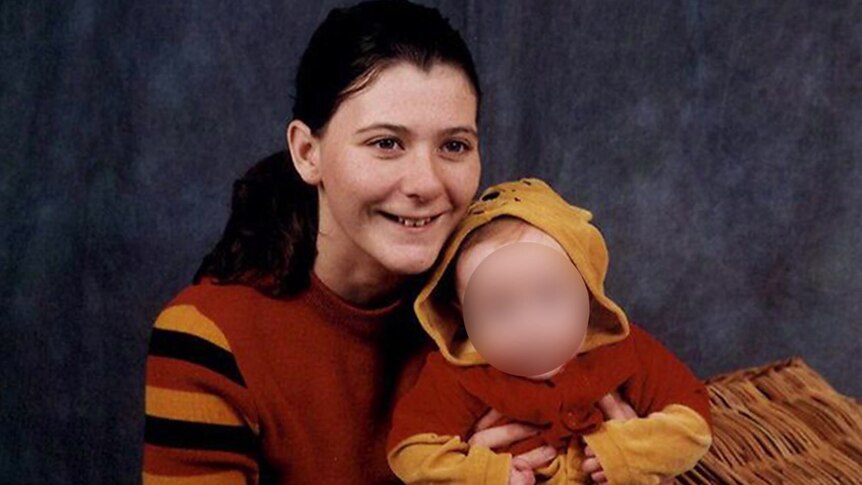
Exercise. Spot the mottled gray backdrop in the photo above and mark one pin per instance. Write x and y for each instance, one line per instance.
(719, 145)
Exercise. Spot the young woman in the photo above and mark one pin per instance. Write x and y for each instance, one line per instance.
(282, 361)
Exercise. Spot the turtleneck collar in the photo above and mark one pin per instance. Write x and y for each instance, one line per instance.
(364, 322)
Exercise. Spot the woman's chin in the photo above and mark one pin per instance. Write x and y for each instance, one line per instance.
(409, 262)
(407, 258)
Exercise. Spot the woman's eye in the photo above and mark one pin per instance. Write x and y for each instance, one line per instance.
(386, 143)
(456, 146)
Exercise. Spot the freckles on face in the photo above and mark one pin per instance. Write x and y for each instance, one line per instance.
(406, 146)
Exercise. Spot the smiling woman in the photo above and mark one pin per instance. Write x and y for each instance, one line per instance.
(283, 361)
(393, 177)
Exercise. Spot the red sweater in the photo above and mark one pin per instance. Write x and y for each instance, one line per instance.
(244, 388)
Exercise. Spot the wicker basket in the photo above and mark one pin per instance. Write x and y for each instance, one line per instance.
(780, 423)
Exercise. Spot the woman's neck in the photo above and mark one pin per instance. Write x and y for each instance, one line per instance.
(363, 286)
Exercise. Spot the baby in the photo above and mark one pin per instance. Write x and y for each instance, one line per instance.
(523, 326)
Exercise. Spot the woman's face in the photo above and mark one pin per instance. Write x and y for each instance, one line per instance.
(405, 146)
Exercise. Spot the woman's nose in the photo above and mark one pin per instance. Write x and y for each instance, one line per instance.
(422, 178)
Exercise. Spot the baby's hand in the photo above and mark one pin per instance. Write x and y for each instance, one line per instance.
(593, 467)
(521, 473)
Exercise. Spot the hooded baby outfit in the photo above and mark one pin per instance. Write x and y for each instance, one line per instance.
(456, 387)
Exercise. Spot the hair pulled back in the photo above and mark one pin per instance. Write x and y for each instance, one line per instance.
(271, 235)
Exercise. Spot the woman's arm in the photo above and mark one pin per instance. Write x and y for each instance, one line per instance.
(200, 423)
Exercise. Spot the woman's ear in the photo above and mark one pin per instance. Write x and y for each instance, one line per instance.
(304, 151)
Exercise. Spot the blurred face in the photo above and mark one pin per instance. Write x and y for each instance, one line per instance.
(525, 305)
(398, 165)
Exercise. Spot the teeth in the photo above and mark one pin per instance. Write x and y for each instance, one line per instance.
(414, 222)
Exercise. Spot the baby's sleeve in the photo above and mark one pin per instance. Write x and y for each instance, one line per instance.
(675, 430)
(427, 440)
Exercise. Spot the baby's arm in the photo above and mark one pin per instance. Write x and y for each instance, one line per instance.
(646, 450)
(426, 443)
(676, 430)
(429, 457)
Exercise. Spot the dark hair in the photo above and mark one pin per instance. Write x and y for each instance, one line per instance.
(270, 241)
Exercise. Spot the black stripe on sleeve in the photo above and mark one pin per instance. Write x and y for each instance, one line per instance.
(172, 433)
(187, 347)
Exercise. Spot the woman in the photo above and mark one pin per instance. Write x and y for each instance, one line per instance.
(283, 360)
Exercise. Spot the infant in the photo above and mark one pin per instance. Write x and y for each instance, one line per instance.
(517, 308)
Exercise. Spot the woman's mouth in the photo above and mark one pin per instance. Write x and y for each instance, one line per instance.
(415, 223)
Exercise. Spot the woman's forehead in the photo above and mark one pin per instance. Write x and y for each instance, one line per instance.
(405, 95)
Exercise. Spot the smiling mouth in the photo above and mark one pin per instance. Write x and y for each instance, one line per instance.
(410, 222)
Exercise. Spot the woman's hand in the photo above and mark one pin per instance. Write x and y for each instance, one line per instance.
(521, 472)
(522, 465)
(593, 467)
(613, 407)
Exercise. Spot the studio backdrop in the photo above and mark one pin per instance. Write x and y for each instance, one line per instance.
(718, 145)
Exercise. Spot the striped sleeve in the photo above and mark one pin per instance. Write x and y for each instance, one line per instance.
(200, 425)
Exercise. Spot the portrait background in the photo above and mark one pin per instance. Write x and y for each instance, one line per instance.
(718, 145)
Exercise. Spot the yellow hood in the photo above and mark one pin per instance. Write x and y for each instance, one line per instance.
(534, 201)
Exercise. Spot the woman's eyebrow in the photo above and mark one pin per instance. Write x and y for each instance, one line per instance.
(400, 129)
(461, 129)
(403, 130)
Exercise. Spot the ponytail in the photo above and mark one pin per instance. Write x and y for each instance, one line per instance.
(271, 236)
